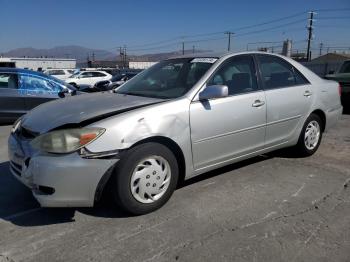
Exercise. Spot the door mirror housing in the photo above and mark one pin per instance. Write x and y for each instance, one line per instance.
(331, 72)
(213, 91)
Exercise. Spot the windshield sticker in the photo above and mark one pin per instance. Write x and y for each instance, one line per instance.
(210, 60)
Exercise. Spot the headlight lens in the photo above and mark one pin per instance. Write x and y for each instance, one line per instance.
(67, 140)
(16, 125)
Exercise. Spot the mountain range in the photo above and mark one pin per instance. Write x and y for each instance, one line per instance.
(81, 53)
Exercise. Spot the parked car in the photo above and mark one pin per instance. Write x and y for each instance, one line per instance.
(343, 77)
(106, 85)
(178, 119)
(21, 90)
(87, 78)
(62, 74)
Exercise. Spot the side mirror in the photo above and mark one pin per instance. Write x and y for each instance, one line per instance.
(214, 91)
(331, 72)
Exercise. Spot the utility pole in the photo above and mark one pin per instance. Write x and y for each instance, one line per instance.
(125, 65)
(229, 39)
(93, 56)
(321, 47)
(183, 47)
(193, 49)
(310, 29)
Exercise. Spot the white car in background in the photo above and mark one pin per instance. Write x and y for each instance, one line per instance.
(87, 78)
(62, 74)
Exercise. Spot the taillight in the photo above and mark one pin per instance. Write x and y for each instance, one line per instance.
(339, 89)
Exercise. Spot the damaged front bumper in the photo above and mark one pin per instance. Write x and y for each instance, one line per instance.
(68, 180)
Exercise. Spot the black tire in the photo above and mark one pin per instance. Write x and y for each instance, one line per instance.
(301, 149)
(121, 180)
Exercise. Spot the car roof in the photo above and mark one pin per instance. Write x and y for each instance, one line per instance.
(220, 54)
(20, 70)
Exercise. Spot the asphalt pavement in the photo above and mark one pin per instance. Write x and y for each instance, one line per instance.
(270, 208)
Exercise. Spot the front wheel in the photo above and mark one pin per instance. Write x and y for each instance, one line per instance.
(145, 178)
(310, 136)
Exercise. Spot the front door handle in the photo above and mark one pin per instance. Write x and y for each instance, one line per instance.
(258, 103)
(307, 93)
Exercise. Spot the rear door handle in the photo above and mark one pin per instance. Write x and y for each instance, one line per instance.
(307, 93)
(258, 103)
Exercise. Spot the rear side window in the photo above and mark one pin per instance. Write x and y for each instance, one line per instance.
(277, 73)
(8, 80)
(97, 74)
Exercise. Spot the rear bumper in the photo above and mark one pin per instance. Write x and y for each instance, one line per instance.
(72, 181)
(332, 117)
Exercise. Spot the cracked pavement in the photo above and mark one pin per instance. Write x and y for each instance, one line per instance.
(270, 208)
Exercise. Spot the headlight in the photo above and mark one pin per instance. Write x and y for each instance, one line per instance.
(67, 140)
(16, 125)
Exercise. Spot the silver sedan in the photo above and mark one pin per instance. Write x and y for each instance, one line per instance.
(182, 117)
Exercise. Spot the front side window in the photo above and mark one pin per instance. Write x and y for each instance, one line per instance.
(277, 73)
(38, 84)
(168, 79)
(8, 80)
(238, 74)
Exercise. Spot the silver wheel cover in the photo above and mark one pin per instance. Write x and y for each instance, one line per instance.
(312, 135)
(150, 179)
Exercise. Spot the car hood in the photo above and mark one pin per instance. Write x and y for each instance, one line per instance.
(78, 110)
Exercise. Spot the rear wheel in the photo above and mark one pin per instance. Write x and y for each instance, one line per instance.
(310, 136)
(145, 178)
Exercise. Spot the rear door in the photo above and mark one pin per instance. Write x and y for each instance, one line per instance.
(37, 90)
(287, 98)
(12, 101)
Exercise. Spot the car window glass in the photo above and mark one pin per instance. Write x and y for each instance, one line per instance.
(167, 79)
(196, 71)
(8, 81)
(86, 75)
(238, 74)
(275, 72)
(98, 74)
(345, 68)
(34, 83)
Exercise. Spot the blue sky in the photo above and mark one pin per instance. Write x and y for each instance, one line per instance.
(108, 24)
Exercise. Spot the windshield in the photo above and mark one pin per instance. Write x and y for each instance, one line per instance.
(168, 79)
(345, 68)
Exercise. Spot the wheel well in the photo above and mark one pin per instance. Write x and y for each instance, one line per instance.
(321, 115)
(174, 147)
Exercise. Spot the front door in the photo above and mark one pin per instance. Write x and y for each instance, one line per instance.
(226, 128)
(12, 101)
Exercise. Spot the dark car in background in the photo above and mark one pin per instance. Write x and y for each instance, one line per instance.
(342, 76)
(21, 90)
(106, 85)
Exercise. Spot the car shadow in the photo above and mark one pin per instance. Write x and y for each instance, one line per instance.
(19, 207)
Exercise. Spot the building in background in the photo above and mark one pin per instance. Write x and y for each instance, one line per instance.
(37, 64)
